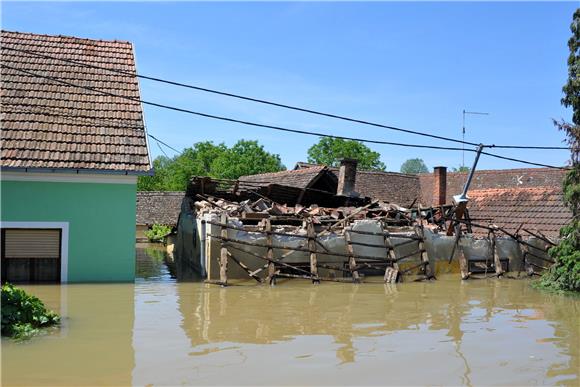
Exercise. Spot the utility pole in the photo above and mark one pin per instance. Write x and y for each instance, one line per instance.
(463, 132)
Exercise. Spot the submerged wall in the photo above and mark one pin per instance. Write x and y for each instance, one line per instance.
(199, 248)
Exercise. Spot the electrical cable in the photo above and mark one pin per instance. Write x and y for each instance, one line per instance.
(277, 104)
(249, 123)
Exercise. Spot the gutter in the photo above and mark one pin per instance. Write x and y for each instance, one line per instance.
(77, 171)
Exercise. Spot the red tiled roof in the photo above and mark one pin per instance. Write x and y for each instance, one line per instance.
(493, 178)
(301, 178)
(539, 208)
(46, 124)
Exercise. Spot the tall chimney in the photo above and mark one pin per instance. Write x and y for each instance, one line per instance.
(439, 185)
(346, 177)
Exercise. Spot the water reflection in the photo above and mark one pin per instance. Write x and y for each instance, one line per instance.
(153, 263)
(93, 345)
(164, 332)
(468, 326)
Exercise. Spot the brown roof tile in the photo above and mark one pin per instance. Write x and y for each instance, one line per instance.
(493, 178)
(158, 207)
(392, 187)
(538, 208)
(301, 178)
(50, 125)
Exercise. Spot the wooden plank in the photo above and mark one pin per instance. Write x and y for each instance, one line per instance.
(351, 259)
(271, 279)
(429, 271)
(224, 252)
(352, 215)
(391, 274)
(463, 264)
(312, 247)
(496, 261)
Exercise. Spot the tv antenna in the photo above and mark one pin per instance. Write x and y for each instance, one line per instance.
(463, 132)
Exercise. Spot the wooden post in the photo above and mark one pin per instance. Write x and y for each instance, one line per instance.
(312, 248)
(351, 260)
(528, 267)
(424, 258)
(496, 261)
(459, 212)
(463, 264)
(271, 279)
(224, 252)
(391, 273)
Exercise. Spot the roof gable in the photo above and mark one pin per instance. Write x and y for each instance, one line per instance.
(47, 124)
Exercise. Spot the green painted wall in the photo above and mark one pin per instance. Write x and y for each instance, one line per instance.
(101, 223)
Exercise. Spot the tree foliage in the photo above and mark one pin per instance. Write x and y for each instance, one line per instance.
(245, 158)
(329, 151)
(564, 274)
(461, 168)
(158, 232)
(414, 166)
(207, 159)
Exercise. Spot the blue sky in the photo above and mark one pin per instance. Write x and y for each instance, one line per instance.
(413, 65)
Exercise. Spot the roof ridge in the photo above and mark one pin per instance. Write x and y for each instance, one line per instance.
(495, 171)
(536, 188)
(296, 171)
(65, 36)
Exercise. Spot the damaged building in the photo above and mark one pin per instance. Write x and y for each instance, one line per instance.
(339, 224)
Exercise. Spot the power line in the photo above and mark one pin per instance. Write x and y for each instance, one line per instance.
(85, 120)
(161, 149)
(228, 119)
(277, 104)
(164, 143)
(249, 123)
(521, 161)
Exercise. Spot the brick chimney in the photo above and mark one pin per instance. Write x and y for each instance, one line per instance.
(439, 185)
(346, 177)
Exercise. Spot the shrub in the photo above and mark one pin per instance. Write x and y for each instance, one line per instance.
(23, 314)
(564, 274)
(158, 232)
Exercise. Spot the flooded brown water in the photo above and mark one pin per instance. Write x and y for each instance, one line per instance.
(160, 332)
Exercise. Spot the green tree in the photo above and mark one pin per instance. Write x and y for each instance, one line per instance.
(414, 166)
(156, 182)
(208, 159)
(330, 151)
(461, 168)
(195, 161)
(564, 274)
(245, 158)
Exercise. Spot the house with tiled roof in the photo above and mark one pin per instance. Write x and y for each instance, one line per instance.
(155, 207)
(392, 187)
(531, 198)
(70, 158)
(528, 198)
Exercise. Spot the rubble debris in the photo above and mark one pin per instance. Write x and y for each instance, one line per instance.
(334, 239)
